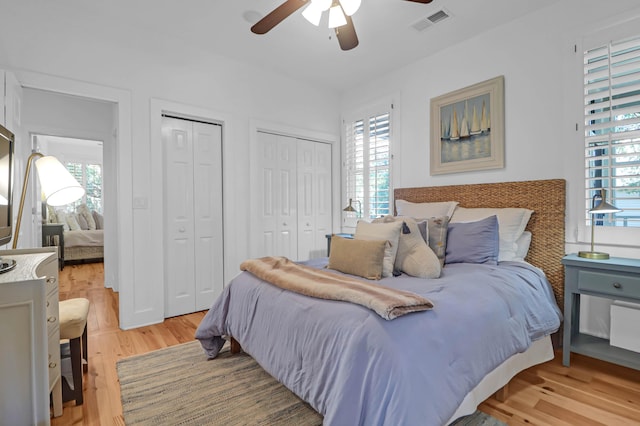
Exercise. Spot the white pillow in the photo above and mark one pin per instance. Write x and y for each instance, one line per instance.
(425, 210)
(83, 210)
(523, 244)
(389, 232)
(62, 218)
(511, 225)
(73, 222)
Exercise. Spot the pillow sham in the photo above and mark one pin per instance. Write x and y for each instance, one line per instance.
(523, 243)
(425, 210)
(99, 219)
(357, 257)
(84, 211)
(72, 221)
(382, 231)
(473, 242)
(511, 222)
(414, 256)
(82, 222)
(62, 218)
(437, 228)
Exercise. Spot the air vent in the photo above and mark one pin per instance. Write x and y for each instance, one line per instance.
(428, 21)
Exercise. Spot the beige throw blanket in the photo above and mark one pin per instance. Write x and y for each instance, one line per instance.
(387, 302)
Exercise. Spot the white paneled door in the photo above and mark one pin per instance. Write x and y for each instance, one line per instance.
(295, 200)
(193, 264)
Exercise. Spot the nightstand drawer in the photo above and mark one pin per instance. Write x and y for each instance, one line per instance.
(609, 283)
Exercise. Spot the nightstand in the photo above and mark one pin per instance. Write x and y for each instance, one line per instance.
(49, 231)
(615, 278)
(329, 240)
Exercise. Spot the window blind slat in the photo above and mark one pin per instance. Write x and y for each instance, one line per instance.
(612, 127)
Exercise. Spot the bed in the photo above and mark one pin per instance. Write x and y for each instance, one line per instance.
(488, 323)
(84, 245)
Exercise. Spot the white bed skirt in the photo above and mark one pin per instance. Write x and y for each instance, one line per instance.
(540, 351)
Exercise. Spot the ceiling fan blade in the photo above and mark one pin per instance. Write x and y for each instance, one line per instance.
(277, 15)
(421, 1)
(347, 36)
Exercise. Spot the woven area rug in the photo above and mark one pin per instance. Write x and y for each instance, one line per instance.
(179, 386)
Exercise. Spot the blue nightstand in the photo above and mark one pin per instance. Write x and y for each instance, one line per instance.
(615, 278)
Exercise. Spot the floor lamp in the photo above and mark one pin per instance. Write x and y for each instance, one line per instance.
(58, 186)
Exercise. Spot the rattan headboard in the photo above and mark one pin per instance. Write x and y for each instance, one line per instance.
(545, 197)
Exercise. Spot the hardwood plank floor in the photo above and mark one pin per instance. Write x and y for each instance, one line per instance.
(590, 392)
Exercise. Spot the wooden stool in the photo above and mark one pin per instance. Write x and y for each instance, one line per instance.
(73, 327)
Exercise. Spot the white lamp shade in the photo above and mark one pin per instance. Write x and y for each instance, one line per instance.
(350, 6)
(58, 185)
(312, 13)
(322, 5)
(336, 17)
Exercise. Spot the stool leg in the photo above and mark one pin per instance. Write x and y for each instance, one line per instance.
(85, 353)
(76, 369)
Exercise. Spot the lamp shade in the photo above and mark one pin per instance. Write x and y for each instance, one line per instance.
(336, 17)
(58, 185)
(312, 13)
(350, 6)
(603, 206)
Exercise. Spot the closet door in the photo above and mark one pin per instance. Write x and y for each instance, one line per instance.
(278, 213)
(193, 215)
(314, 198)
(207, 210)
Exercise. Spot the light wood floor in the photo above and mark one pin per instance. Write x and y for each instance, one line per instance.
(591, 392)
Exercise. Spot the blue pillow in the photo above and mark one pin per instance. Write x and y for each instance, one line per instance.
(473, 242)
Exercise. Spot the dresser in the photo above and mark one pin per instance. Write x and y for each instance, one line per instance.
(615, 278)
(30, 333)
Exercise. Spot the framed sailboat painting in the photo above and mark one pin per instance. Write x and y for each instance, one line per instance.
(467, 129)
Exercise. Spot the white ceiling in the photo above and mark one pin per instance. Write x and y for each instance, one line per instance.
(295, 47)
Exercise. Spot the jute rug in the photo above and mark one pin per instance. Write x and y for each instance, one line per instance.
(178, 386)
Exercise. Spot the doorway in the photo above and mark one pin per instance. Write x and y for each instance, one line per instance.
(83, 220)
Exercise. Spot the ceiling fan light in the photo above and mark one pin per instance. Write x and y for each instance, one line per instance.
(312, 14)
(322, 5)
(336, 17)
(350, 6)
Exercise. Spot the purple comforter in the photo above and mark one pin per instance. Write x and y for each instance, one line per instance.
(356, 368)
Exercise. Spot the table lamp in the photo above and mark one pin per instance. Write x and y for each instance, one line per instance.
(602, 208)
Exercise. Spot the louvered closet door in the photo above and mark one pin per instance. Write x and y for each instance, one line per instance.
(193, 215)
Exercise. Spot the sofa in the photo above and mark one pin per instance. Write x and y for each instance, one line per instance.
(83, 233)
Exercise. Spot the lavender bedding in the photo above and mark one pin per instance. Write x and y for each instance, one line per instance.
(356, 368)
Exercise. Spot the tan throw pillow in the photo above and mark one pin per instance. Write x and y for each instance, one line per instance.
(357, 257)
(414, 256)
(382, 231)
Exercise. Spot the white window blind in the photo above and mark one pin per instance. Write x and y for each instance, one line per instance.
(367, 164)
(90, 177)
(612, 129)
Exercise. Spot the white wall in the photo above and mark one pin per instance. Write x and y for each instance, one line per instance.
(542, 103)
(181, 75)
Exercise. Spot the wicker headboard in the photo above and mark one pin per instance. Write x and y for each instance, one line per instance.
(545, 197)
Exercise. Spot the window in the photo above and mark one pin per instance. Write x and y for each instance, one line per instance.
(612, 129)
(90, 177)
(367, 164)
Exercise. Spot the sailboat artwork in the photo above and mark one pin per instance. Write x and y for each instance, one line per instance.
(467, 128)
(466, 122)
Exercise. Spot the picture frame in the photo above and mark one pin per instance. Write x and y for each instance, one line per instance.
(467, 129)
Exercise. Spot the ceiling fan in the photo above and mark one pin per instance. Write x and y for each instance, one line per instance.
(340, 12)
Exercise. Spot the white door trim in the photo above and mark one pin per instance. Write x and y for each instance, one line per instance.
(157, 108)
(119, 266)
